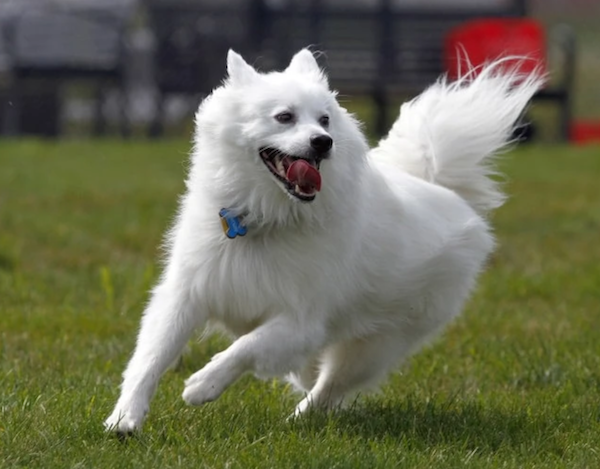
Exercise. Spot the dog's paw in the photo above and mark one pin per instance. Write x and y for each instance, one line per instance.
(124, 422)
(317, 403)
(209, 383)
(303, 407)
(202, 387)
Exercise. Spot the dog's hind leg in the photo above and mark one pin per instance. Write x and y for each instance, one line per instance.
(352, 366)
(167, 324)
(275, 348)
(305, 378)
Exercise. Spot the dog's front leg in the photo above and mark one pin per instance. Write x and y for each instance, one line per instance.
(167, 324)
(277, 347)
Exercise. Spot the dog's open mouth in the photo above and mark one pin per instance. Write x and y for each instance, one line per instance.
(299, 176)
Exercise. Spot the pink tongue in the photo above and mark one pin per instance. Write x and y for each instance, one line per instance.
(305, 175)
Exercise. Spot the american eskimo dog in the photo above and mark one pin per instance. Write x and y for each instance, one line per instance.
(327, 262)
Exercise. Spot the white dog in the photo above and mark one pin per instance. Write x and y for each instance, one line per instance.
(336, 262)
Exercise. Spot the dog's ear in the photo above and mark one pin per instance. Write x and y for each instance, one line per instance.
(238, 70)
(304, 62)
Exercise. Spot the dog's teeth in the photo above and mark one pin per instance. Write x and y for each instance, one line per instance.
(279, 166)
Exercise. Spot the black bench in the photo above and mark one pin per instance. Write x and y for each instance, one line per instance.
(192, 40)
(49, 45)
(370, 48)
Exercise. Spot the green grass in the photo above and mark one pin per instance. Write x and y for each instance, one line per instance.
(515, 382)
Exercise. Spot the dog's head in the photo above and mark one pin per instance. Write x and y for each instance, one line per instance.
(281, 137)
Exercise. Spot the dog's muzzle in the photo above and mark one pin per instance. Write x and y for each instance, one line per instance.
(300, 176)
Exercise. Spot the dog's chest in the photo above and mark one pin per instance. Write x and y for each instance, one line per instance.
(249, 280)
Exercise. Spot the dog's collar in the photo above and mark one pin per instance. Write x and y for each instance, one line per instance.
(232, 225)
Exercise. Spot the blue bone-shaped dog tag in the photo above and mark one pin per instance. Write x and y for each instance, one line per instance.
(232, 226)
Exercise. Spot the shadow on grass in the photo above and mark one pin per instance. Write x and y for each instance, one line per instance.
(426, 423)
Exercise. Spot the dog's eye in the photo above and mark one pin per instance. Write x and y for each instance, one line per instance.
(324, 121)
(284, 117)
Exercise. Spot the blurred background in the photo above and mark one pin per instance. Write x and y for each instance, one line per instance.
(138, 68)
(514, 383)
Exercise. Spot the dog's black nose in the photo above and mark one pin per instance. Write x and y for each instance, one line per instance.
(321, 143)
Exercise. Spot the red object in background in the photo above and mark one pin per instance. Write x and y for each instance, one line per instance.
(583, 132)
(476, 42)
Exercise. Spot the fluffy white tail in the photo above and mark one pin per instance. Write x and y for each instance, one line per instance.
(449, 134)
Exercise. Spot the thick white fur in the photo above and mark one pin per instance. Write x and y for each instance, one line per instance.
(335, 293)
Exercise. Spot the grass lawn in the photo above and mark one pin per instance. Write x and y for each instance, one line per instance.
(515, 382)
